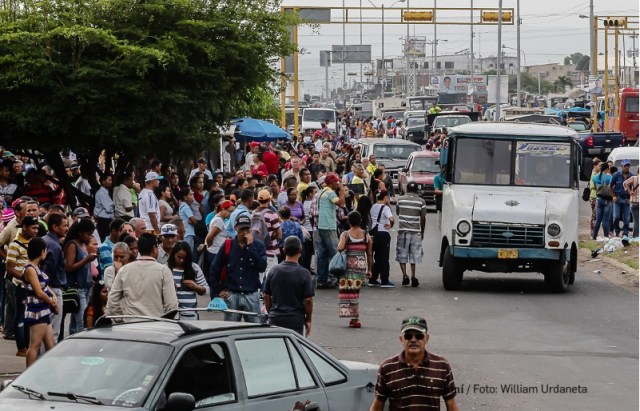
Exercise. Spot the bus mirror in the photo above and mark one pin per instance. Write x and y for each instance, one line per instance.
(437, 162)
(585, 170)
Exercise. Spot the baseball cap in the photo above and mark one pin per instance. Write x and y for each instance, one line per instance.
(264, 195)
(8, 215)
(243, 221)
(331, 178)
(202, 161)
(414, 323)
(226, 204)
(81, 212)
(169, 229)
(152, 175)
(626, 163)
(321, 180)
(254, 144)
(412, 186)
(28, 220)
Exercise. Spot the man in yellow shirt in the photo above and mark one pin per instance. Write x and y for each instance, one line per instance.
(372, 167)
(305, 179)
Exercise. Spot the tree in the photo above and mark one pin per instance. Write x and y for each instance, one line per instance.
(573, 58)
(561, 83)
(583, 63)
(133, 76)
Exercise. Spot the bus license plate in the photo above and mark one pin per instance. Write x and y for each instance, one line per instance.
(507, 253)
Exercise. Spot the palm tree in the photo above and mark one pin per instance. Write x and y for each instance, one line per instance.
(561, 82)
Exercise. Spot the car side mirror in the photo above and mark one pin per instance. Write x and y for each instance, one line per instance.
(180, 401)
(312, 407)
(585, 170)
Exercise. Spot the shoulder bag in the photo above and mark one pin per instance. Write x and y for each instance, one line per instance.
(602, 190)
(374, 229)
(338, 264)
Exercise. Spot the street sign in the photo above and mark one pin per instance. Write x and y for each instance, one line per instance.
(352, 53)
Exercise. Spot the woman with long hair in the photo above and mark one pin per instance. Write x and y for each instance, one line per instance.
(358, 246)
(295, 206)
(364, 208)
(382, 218)
(77, 262)
(132, 243)
(97, 304)
(308, 250)
(41, 301)
(165, 199)
(188, 279)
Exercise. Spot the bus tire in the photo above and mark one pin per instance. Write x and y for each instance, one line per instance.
(558, 276)
(451, 271)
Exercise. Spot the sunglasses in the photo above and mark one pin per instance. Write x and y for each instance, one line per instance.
(408, 335)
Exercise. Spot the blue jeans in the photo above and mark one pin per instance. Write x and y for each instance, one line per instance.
(634, 212)
(326, 244)
(243, 302)
(77, 320)
(603, 217)
(621, 211)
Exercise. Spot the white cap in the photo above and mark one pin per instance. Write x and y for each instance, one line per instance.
(152, 175)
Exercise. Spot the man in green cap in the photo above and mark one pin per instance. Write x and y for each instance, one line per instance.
(415, 378)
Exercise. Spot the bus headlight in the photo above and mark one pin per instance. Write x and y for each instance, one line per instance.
(553, 230)
(463, 227)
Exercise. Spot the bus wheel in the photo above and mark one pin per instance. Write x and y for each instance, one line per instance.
(558, 276)
(451, 271)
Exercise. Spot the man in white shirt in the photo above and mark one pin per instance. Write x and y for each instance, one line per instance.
(122, 198)
(248, 160)
(104, 210)
(202, 167)
(148, 203)
(294, 171)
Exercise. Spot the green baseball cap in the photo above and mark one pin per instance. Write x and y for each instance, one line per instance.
(414, 323)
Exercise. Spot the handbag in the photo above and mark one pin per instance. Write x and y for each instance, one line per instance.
(374, 229)
(338, 264)
(70, 301)
(602, 190)
(586, 193)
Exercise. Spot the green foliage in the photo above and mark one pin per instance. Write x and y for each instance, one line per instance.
(140, 76)
(583, 63)
(573, 58)
(561, 82)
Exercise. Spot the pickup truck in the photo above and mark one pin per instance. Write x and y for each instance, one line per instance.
(447, 119)
(599, 144)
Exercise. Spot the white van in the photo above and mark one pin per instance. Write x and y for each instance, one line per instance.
(624, 153)
(312, 119)
(510, 203)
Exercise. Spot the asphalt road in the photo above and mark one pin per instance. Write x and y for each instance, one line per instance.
(499, 332)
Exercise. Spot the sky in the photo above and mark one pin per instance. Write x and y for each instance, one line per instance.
(550, 30)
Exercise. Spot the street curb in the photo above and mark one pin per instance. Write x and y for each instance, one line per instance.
(611, 261)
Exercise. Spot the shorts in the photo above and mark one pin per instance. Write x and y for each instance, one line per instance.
(42, 320)
(409, 248)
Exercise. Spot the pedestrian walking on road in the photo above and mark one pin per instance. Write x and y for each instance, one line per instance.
(358, 246)
(288, 291)
(604, 201)
(415, 378)
(412, 220)
(382, 220)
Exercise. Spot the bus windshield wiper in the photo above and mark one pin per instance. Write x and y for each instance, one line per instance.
(28, 391)
(76, 397)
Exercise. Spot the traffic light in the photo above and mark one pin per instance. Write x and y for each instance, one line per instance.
(417, 16)
(491, 16)
(615, 22)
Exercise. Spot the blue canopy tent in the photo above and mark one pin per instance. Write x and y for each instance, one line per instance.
(250, 129)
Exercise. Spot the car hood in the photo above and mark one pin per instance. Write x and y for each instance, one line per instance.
(422, 178)
(394, 164)
(13, 404)
(415, 129)
(510, 208)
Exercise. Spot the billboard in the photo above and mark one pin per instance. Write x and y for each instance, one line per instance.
(455, 89)
(353, 53)
(416, 46)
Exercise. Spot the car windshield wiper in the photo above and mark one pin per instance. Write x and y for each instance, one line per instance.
(28, 391)
(75, 397)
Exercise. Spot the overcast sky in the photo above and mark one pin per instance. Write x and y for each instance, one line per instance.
(550, 30)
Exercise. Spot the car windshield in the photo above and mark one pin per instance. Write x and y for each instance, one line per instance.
(425, 164)
(113, 372)
(415, 121)
(631, 105)
(489, 162)
(393, 151)
(319, 115)
(618, 163)
(578, 126)
(450, 121)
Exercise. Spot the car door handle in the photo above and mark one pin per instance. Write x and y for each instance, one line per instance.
(312, 406)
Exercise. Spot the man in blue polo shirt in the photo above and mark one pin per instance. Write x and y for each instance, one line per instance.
(621, 206)
(54, 264)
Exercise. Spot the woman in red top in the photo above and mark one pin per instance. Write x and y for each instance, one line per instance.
(97, 304)
(259, 167)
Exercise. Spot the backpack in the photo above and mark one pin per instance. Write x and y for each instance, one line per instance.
(259, 229)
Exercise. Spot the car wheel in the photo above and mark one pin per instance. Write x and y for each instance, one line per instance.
(452, 271)
(558, 276)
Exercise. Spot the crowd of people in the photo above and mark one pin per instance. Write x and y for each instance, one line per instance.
(152, 239)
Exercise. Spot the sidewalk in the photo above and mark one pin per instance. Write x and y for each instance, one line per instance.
(10, 365)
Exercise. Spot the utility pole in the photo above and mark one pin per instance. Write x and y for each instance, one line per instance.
(406, 51)
(593, 72)
(472, 83)
(518, 77)
(344, 65)
(435, 36)
(384, 76)
(499, 61)
(361, 84)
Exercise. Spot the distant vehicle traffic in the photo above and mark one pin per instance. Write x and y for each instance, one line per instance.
(165, 365)
(598, 144)
(392, 152)
(421, 168)
(313, 118)
(414, 127)
(627, 121)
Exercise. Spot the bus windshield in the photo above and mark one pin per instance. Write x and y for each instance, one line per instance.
(490, 162)
(319, 115)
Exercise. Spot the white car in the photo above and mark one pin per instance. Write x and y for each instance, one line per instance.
(624, 153)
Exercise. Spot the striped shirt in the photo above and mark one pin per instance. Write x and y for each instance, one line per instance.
(187, 298)
(412, 388)
(17, 254)
(272, 222)
(410, 208)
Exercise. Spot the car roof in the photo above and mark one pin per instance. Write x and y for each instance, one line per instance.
(395, 141)
(508, 129)
(425, 153)
(166, 331)
(629, 153)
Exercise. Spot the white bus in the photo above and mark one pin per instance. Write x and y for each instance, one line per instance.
(313, 118)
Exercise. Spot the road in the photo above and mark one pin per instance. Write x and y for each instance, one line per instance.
(499, 332)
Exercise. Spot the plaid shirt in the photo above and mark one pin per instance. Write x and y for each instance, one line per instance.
(631, 186)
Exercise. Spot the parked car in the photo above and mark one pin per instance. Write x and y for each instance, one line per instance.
(415, 129)
(392, 152)
(421, 167)
(599, 144)
(175, 365)
(624, 153)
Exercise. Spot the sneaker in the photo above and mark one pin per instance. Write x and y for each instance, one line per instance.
(388, 284)
(355, 324)
(22, 353)
(373, 283)
(405, 281)
(414, 282)
(9, 336)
